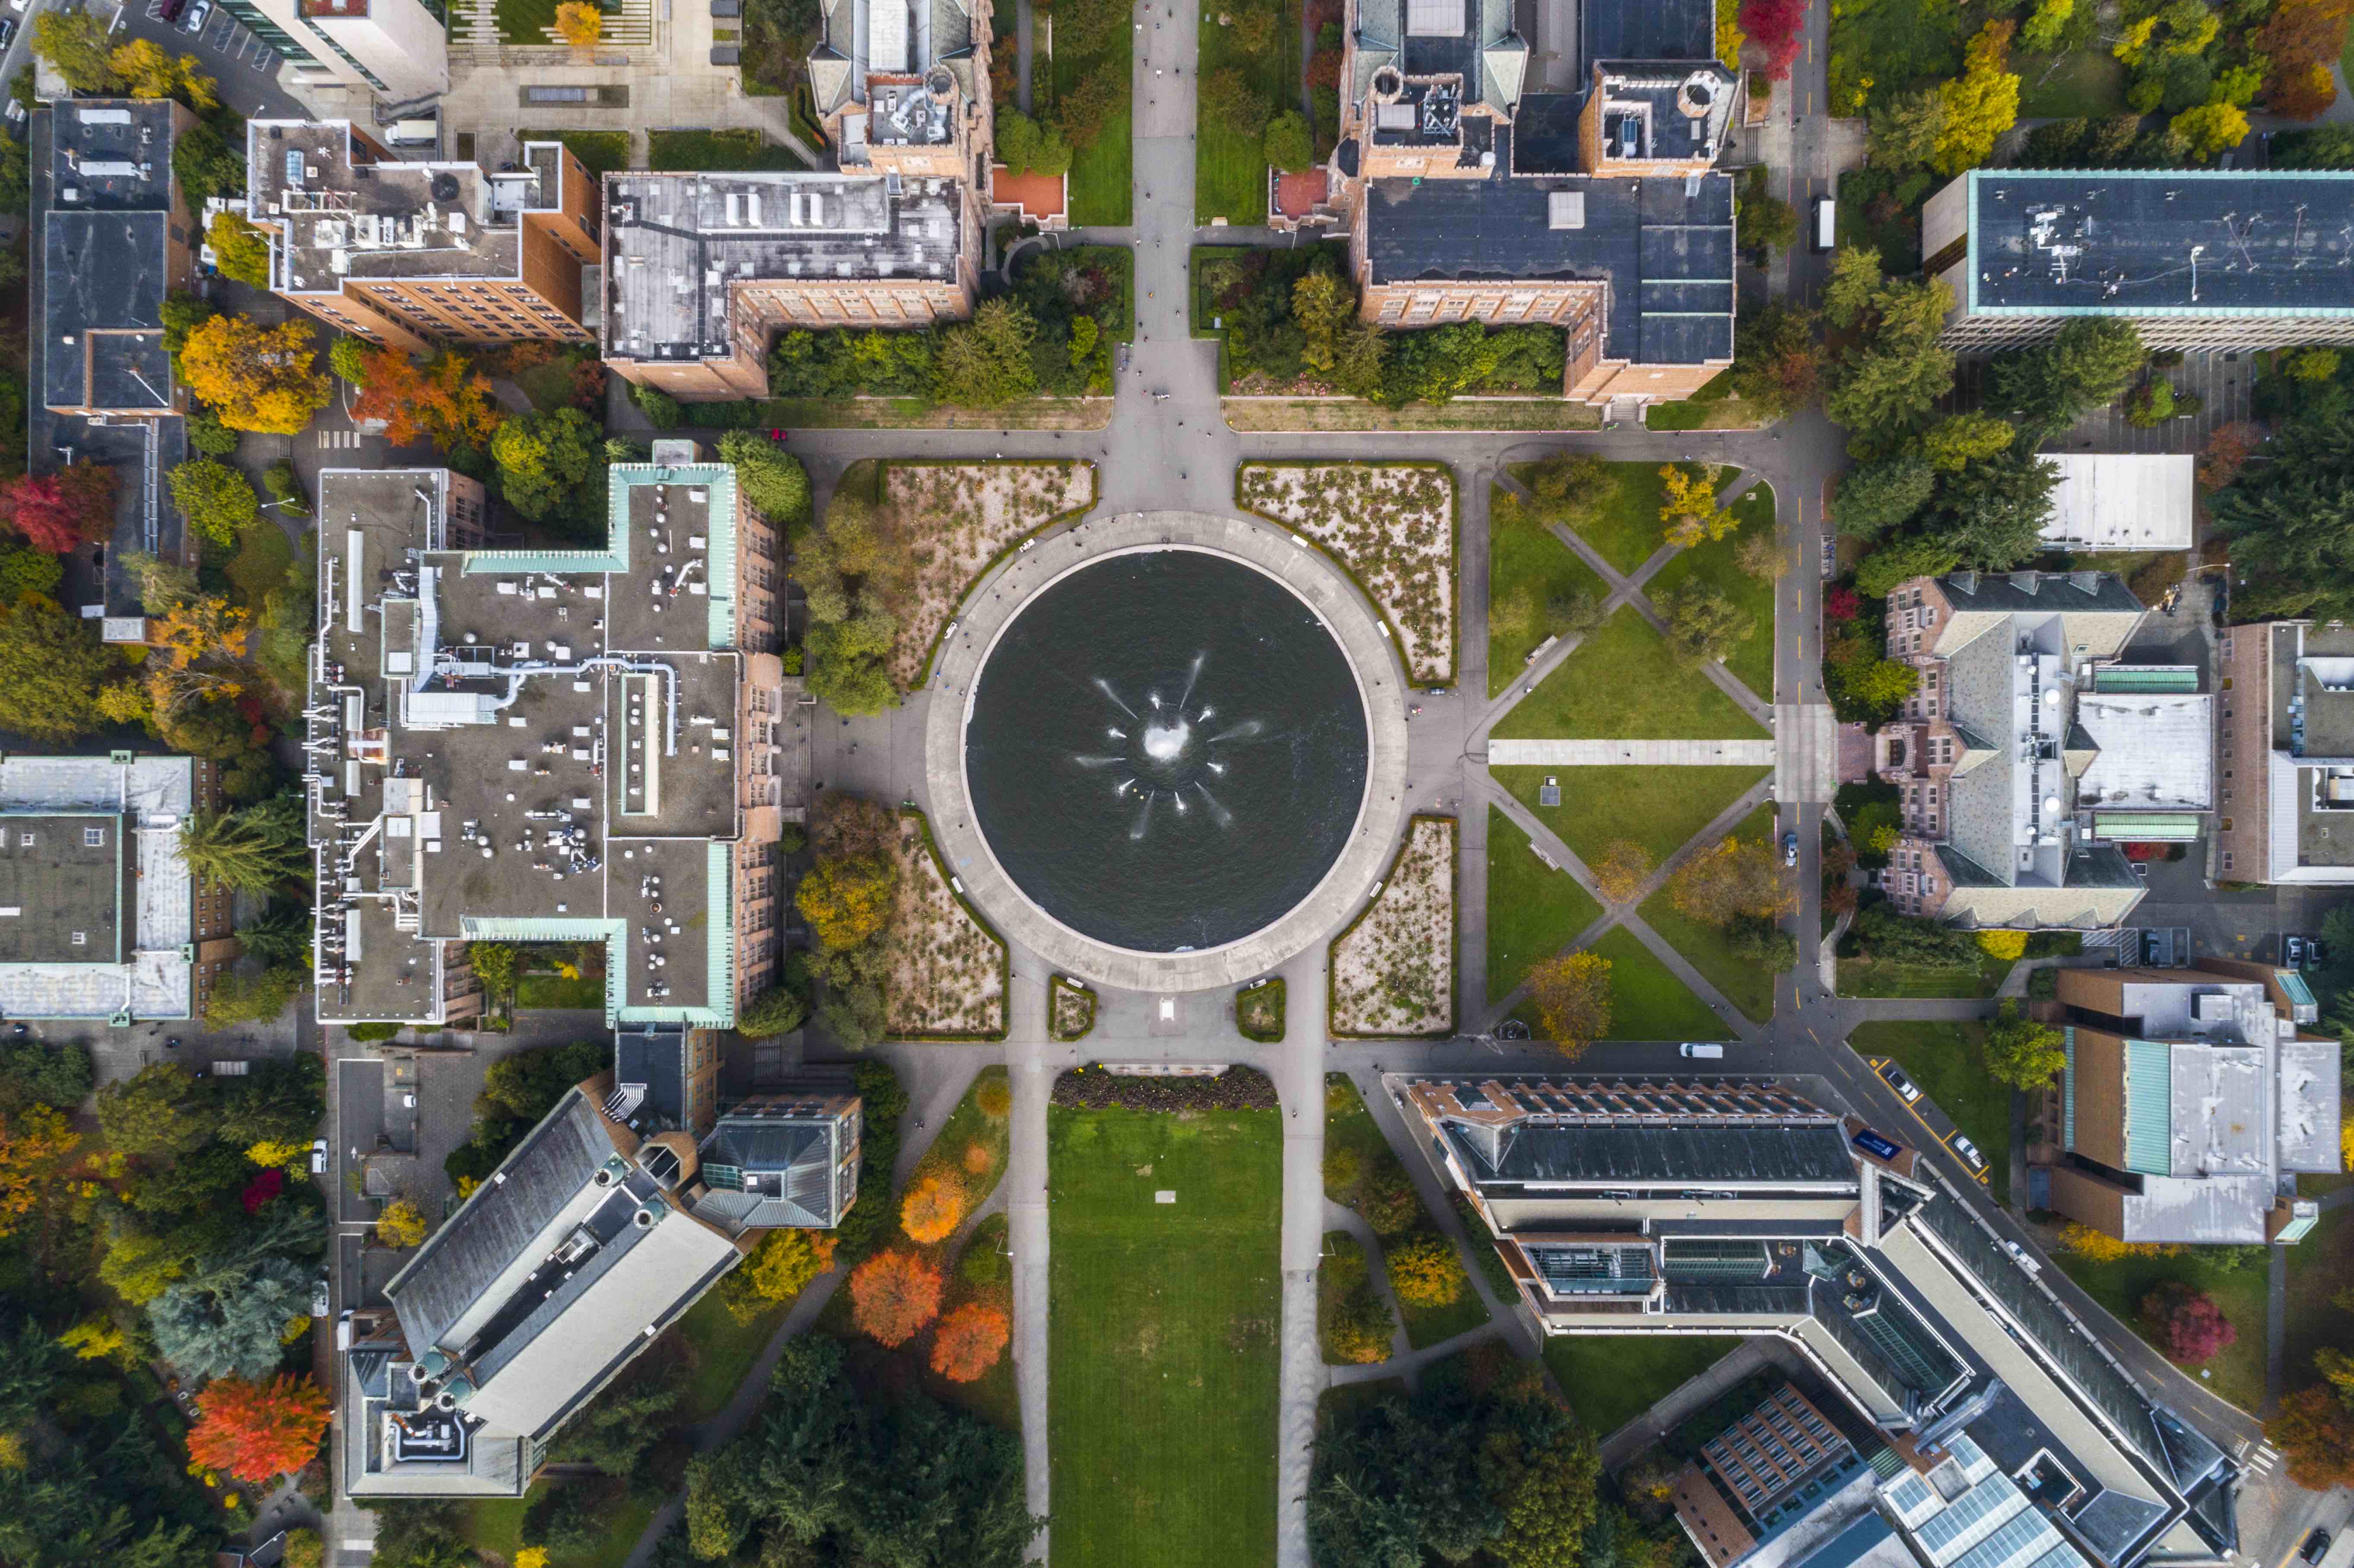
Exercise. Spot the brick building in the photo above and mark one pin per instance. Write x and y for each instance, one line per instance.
(2284, 750)
(1598, 211)
(904, 89)
(702, 270)
(2028, 752)
(413, 254)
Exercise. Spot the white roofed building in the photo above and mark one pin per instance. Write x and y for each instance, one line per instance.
(2122, 501)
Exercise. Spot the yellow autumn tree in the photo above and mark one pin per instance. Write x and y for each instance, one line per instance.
(2004, 945)
(1621, 872)
(149, 70)
(932, 1210)
(1572, 994)
(1981, 104)
(402, 1224)
(269, 1152)
(580, 24)
(31, 1143)
(1688, 504)
(2099, 1247)
(260, 378)
(1427, 1271)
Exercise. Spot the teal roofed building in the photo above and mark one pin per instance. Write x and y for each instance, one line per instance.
(520, 741)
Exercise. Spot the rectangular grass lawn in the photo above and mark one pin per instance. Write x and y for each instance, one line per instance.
(1102, 171)
(1658, 808)
(1945, 1061)
(1611, 1379)
(1162, 1369)
(1527, 558)
(1622, 684)
(2238, 1373)
(1744, 985)
(1534, 910)
(1647, 1001)
(1714, 563)
(1629, 531)
(1230, 168)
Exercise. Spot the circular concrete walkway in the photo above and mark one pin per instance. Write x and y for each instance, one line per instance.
(1381, 682)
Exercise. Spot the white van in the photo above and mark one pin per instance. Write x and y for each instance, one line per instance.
(1706, 1053)
(1826, 225)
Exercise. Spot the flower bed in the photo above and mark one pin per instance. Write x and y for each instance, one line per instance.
(958, 518)
(1392, 526)
(948, 970)
(1394, 970)
(1070, 1008)
(1236, 1088)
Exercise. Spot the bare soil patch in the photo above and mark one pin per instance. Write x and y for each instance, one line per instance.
(947, 971)
(1394, 970)
(958, 518)
(1392, 524)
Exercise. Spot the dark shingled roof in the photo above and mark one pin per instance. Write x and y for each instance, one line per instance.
(106, 271)
(2119, 242)
(1691, 1155)
(2071, 593)
(1667, 256)
(1645, 30)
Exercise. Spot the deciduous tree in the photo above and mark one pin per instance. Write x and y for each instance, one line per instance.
(1572, 994)
(1855, 279)
(239, 250)
(147, 70)
(31, 1144)
(580, 24)
(1981, 104)
(785, 1261)
(159, 1111)
(218, 500)
(1427, 1271)
(1688, 504)
(970, 1341)
(986, 361)
(1704, 625)
(401, 1225)
(259, 1431)
(257, 377)
(776, 1011)
(1622, 870)
(74, 41)
(893, 1295)
(774, 481)
(2315, 1430)
(545, 458)
(1287, 145)
(65, 509)
(2186, 1324)
(1732, 878)
(933, 1208)
(1774, 27)
(2023, 1052)
(440, 399)
(1953, 444)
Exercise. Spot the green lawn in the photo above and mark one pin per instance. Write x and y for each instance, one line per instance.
(496, 1526)
(1893, 45)
(1628, 532)
(1659, 808)
(2318, 1269)
(1527, 560)
(1714, 563)
(1229, 168)
(1348, 1124)
(555, 990)
(1611, 1379)
(1647, 1001)
(1621, 683)
(1690, 413)
(601, 152)
(1744, 985)
(1163, 1355)
(1534, 910)
(526, 21)
(1866, 977)
(1102, 175)
(1943, 1059)
(717, 150)
(725, 1350)
(2085, 84)
(2238, 1373)
(263, 556)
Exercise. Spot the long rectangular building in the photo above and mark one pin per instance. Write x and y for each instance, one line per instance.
(2196, 258)
(532, 745)
(1993, 1430)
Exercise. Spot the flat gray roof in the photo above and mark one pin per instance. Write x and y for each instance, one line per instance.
(64, 888)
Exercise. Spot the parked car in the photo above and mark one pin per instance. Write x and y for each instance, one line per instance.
(2293, 951)
(318, 1156)
(1905, 1087)
(200, 13)
(2022, 1257)
(1872, 1143)
(1969, 1151)
(7, 31)
(20, 1031)
(1706, 1053)
(321, 1305)
(2316, 1547)
(1789, 849)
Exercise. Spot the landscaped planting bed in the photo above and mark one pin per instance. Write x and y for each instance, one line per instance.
(1393, 525)
(1394, 970)
(1070, 1008)
(948, 971)
(1259, 1008)
(959, 517)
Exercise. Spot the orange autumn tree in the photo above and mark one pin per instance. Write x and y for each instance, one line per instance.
(893, 1295)
(1572, 994)
(932, 1210)
(970, 1341)
(259, 1431)
(31, 1143)
(579, 24)
(260, 378)
(441, 399)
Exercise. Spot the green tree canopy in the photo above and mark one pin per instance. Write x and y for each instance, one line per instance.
(1287, 145)
(159, 1110)
(2089, 365)
(219, 502)
(50, 667)
(545, 461)
(2291, 522)
(985, 362)
(1880, 496)
(2020, 1052)
(256, 849)
(774, 481)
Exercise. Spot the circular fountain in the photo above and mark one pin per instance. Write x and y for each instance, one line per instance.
(1166, 750)
(1173, 752)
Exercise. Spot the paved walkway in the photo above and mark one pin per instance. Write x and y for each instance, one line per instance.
(1647, 753)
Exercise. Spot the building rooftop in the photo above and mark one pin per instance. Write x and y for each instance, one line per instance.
(675, 242)
(2220, 242)
(528, 745)
(783, 1158)
(106, 255)
(344, 214)
(1674, 30)
(103, 861)
(900, 42)
(113, 154)
(2155, 750)
(1663, 246)
(2121, 501)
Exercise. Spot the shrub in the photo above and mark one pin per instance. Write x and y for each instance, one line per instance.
(1388, 1201)
(2099, 1247)
(2005, 945)
(893, 1295)
(2186, 1323)
(1426, 1271)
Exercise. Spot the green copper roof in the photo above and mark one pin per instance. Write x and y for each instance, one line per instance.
(2149, 1107)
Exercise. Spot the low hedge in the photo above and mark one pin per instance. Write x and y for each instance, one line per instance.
(1093, 1088)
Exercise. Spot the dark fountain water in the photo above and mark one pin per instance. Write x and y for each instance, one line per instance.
(1166, 751)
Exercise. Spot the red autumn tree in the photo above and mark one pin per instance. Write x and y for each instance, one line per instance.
(257, 1431)
(1842, 604)
(2229, 449)
(893, 1295)
(1774, 26)
(2186, 1323)
(266, 1184)
(62, 511)
(970, 1341)
(441, 399)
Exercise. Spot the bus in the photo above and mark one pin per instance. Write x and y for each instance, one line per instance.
(1825, 224)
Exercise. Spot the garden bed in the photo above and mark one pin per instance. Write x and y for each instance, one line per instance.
(1393, 970)
(948, 971)
(1393, 525)
(1070, 1008)
(1258, 1011)
(958, 519)
(1093, 1088)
